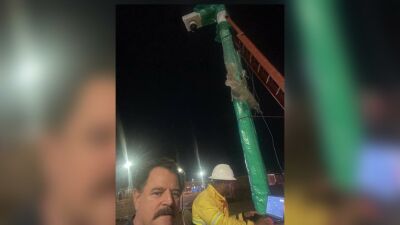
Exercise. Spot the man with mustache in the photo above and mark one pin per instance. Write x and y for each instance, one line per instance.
(157, 189)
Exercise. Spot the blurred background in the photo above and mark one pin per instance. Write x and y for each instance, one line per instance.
(341, 119)
(341, 134)
(57, 112)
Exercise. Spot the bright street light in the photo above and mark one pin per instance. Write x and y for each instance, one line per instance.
(180, 170)
(201, 173)
(128, 164)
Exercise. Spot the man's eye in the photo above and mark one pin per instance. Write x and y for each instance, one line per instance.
(176, 194)
(157, 193)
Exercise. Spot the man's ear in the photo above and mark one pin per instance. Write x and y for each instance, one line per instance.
(136, 198)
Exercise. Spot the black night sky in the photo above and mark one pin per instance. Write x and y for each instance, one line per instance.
(170, 86)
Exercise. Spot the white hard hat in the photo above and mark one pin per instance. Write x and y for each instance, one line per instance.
(222, 172)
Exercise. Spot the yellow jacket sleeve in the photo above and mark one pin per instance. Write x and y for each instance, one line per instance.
(211, 215)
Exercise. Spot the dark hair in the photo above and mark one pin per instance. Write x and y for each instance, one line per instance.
(142, 174)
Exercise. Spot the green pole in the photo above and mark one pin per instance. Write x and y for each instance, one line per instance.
(248, 136)
(333, 90)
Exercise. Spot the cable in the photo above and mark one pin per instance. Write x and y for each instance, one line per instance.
(273, 145)
(262, 117)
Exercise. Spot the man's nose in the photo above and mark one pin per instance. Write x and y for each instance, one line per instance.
(168, 199)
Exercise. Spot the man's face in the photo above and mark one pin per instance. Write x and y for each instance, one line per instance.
(229, 187)
(80, 158)
(157, 203)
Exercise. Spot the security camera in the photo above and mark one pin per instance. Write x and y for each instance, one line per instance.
(193, 26)
(192, 21)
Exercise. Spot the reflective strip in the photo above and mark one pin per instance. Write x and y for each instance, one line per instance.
(216, 217)
(198, 221)
(240, 215)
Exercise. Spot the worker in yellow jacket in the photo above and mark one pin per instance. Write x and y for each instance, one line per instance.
(211, 208)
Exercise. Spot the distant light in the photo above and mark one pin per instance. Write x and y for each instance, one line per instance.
(201, 173)
(128, 164)
(180, 170)
(28, 72)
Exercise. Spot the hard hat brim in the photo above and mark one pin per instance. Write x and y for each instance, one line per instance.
(221, 178)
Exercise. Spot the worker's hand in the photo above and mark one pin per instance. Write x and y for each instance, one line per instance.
(264, 221)
(249, 214)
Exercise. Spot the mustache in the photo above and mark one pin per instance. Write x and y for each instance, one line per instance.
(166, 211)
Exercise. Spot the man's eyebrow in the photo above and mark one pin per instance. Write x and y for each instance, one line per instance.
(163, 189)
(158, 189)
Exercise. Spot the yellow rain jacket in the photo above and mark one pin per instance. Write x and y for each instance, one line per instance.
(211, 208)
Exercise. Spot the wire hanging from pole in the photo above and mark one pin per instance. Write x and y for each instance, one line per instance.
(266, 123)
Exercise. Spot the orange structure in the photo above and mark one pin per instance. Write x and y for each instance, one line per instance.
(269, 76)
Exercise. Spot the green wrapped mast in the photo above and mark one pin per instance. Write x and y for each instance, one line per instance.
(209, 14)
(333, 88)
